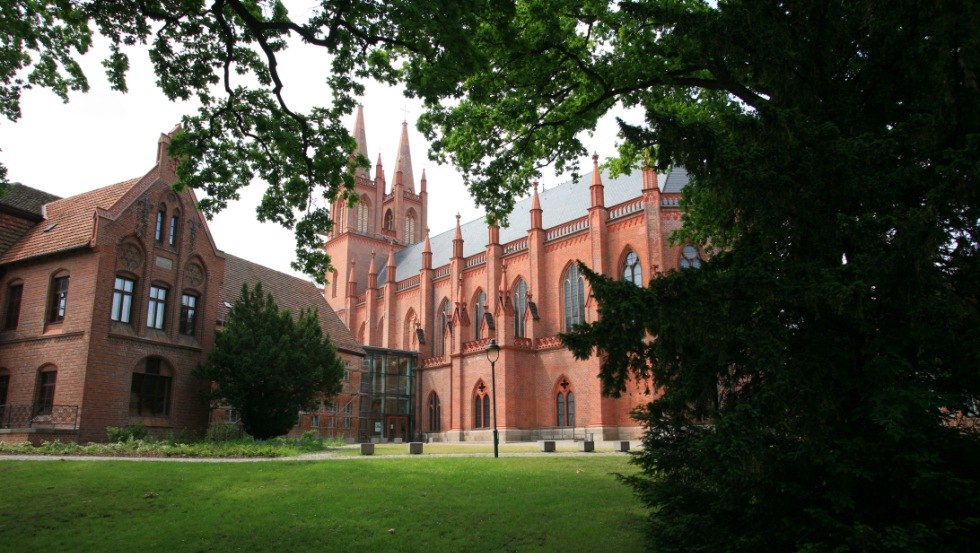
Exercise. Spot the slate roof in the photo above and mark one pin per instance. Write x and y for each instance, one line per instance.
(68, 224)
(560, 204)
(290, 293)
(26, 200)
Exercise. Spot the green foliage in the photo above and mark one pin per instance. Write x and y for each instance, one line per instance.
(126, 433)
(269, 366)
(175, 447)
(223, 432)
(801, 373)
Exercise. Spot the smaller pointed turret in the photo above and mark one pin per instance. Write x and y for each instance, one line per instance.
(426, 251)
(458, 240)
(372, 273)
(422, 185)
(352, 281)
(379, 172)
(596, 190)
(536, 209)
(390, 268)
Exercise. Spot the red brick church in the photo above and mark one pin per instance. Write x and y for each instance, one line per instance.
(426, 307)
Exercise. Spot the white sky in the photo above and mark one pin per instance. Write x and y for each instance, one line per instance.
(104, 137)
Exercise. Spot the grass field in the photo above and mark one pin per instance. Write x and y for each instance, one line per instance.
(395, 504)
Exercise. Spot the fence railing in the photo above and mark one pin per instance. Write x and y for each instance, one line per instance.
(62, 417)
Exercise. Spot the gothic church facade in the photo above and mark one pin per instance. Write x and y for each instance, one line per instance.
(426, 307)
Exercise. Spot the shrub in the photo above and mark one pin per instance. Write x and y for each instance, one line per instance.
(126, 433)
(224, 432)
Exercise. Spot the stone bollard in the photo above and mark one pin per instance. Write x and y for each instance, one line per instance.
(398, 440)
(415, 448)
(588, 446)
(375, 440)
(548, 446)
(367, 449)
(624, 446)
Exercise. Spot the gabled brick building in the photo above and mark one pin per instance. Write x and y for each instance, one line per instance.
(425, 308)
(109, 299)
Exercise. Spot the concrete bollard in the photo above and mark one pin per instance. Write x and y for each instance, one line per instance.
(624, 446)
(548, 446)
(398, 440)
(367, 449)
(415, 448)
(588, 446)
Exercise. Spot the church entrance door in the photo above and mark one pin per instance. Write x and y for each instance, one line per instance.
(397, 427)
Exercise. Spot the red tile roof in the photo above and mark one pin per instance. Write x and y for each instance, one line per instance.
(68, 223)
(289, 292)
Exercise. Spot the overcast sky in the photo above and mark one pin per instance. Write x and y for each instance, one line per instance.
(104, 137)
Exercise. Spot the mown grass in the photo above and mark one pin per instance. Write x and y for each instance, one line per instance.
(410, 504)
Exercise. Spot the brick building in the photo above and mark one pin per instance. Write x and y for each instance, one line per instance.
(109, 299)
(426, 307)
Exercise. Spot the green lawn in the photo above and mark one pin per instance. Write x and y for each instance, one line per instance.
(409, 504)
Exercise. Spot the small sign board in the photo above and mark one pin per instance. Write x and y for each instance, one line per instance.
(377, 427)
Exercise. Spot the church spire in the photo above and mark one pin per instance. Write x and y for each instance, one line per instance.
(360, 136)
(372, 273)
(405, 160)
(426, 251)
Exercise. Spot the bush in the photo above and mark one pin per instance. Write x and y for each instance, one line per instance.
(126, 433)
(225, 432)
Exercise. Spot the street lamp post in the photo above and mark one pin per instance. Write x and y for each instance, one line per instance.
(493, 353)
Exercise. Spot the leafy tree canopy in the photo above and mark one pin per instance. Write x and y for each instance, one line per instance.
(833, 149)
(269, 366)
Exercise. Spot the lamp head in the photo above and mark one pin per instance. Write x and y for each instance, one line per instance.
(493, 351)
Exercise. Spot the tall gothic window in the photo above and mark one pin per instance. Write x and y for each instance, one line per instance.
(174, 225)
(157, 307)
(690, 259)
(361, 216)
(14, 293)
(439, 338)
(631, 269)
(478, 311)
(565, 408)
(44, 399)
(520, 306)
(188, 313)
(481, 407)
(410, 227)
(573, 294)
(435, 413)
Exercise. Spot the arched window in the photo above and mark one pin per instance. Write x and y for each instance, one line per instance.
(362, 333)
(389, 220)
(573, 294)
(690, 259)
(631, 269)
(15, 291)
(481, 406)
(150, 391)
(442, 320)
(361, 216)
(174, 227)
(410, 227)
(565, 408)
(520, 306)
(160, 223)
(478, 310)
(435, 413)
(44, 396)
(58, 300)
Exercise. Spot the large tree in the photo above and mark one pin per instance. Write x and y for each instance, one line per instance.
(269, 365)
(833, 149)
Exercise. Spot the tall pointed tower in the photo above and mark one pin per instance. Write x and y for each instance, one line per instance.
(383, 218)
